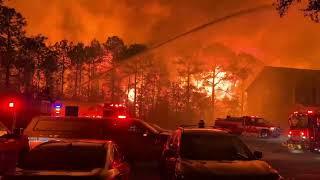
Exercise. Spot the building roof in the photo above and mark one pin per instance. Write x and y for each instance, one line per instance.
(282, 71)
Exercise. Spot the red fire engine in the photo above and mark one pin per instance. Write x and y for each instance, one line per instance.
(115, 111)
(107, 110)
(249, 125)
(304, 132)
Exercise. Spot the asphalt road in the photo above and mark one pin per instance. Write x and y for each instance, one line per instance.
(298, 165)
(291, 165)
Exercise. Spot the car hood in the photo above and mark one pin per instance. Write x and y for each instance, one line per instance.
(226, 168)
(44, 174)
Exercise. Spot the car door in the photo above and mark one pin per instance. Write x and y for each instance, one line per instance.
(249, 128)
(119, 163)
(172, 154)
(143, 141)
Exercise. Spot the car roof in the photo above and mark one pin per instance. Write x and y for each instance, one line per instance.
(205, 131)
(77, 143)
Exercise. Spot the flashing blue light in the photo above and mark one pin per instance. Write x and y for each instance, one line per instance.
(58, 106)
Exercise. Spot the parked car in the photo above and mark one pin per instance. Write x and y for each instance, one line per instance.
(250, 125)
(73, 159)
(12, 147)
(193, 153)
(160, 129)
(139, 140)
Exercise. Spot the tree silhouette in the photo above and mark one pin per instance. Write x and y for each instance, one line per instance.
(49, 65)
(312, 9)
(29, 58)
(11, 30)
(77, 56)
(116, 47)
(62, 48)
(94, 55)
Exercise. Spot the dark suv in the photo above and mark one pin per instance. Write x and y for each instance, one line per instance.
(200, 153)
(138, 140)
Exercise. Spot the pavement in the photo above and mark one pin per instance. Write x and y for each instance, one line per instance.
(291, 165)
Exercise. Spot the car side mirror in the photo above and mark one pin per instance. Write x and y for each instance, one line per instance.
(257, 154)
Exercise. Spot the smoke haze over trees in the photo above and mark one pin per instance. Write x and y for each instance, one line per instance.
(92, 57)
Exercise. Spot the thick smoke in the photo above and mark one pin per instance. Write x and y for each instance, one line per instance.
(289, 41)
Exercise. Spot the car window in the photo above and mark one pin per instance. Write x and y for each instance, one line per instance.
(64, 156)
(140, 127)
(80, 129)
(203, 146)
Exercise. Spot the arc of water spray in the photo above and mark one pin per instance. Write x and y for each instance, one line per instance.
(196, 29)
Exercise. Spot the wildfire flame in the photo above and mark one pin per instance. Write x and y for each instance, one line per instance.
(222, 89)
(131, 95)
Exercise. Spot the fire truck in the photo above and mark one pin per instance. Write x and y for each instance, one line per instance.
(304, 131)
(248, 125)
(119, 111)
(93, 110)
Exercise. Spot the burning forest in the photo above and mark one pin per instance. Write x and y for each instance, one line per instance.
(196, 77)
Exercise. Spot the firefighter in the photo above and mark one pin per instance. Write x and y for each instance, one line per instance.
(201, 124)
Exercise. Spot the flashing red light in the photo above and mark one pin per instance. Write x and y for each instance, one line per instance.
(302, 133)
(122, 117)
(296, 112)
(310, 112)
(290, 132)
(11, 104)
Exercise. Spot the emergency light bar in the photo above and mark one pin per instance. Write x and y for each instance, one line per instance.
(122, 117)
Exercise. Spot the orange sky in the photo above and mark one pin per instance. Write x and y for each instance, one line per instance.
(289, 41)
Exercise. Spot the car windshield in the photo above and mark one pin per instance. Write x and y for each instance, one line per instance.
(65, 156)
(298, 121)
(261, 121)
(205, 146)
(158, 128)
(151, 128)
